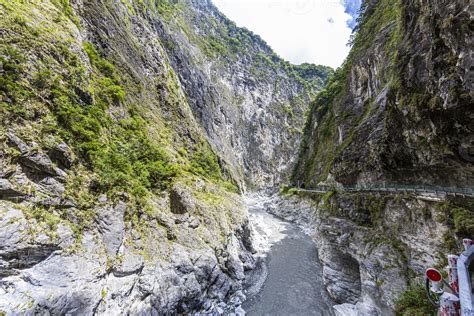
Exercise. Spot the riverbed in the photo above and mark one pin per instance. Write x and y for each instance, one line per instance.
(288, 277)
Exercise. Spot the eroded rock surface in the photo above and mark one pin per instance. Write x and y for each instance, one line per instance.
(251, 103)
(368, 264)
(400, 109)
(112, 201)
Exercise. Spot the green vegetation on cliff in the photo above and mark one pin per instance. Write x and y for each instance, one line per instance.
(320, 148)
(414, 302)
(224, 70)
(55, 88)
(459, 219)
(392, 100)
(227, 41)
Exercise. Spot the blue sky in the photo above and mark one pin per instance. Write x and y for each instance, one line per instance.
(314, 31)
(352, 8)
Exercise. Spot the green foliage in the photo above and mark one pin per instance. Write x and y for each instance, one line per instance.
(204, 162)
(459, 218)
(324, 151)
(214, 47)
(19, 23)
(101, 64)
(12, 90)
(327, 198)
(130, 162)
(43, 215)
(284, 189)
(414, 302)
(170, 45)
(230, 187)
(463, 222)
(311, 71)
(288, 109)
(320, 148)
(109, 92)
(225, 39)
(235, 43)
(47, 92)
(376, 206)
(20, 20)
(65, 7)
(166, 8)
(374, 17)
(267, 59)
(336, 84)
(119, 151)
(449, 242)
(129, 6)
(379, 283)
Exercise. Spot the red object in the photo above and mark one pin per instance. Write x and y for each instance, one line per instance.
(467, 243)
(453, 273)
(434, 275)
(449, 305)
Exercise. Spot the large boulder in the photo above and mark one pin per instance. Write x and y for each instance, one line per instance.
(181, 200)
(41, 163)
(17, 142)
(62, 155)
(8, 192)
(112, 227)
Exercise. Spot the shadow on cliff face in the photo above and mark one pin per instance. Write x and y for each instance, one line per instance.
(342, 277)
(24, 258)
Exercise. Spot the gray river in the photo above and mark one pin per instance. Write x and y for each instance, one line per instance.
(288, 280)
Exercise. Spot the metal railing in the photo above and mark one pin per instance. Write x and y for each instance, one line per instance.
(394, 188)
(464, 275)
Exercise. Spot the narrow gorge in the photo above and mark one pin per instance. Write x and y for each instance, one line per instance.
(145, 143)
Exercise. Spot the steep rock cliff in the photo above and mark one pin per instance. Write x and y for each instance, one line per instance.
(251, 103)
(374, 247)
(400, 109)
(111, 199)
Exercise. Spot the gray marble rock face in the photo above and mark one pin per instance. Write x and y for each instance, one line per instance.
(167, 262)
(47, 268)
(249, 101)
(404, 114)
(53, 272)
(364, 267)
(199, 77)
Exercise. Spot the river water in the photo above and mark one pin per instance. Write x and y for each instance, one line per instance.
(288, 278)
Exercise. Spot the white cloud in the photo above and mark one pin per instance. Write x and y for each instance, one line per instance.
(314, 31)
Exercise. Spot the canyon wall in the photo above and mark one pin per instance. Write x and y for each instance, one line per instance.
(398, 112)
(129, 128)
(400, 108)
(374, 248)
(251, 103)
